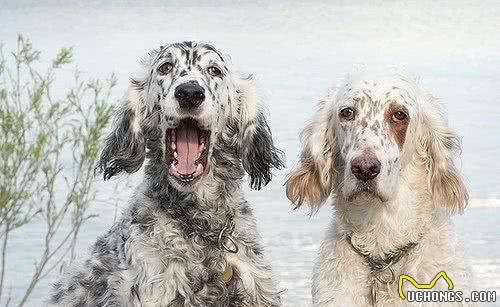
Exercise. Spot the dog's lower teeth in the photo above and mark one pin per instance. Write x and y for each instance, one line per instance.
(187, 179)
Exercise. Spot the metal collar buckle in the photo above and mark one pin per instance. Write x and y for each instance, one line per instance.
(225, 235)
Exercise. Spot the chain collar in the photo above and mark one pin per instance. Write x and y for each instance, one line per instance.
(382, 264)
(226, 236)
(379, 266)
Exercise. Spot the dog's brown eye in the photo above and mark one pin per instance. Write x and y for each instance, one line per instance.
(165, 68)
(399, 116)
(347, 113)
(214, 71)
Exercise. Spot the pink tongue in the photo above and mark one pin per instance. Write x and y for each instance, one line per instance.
(187, 149)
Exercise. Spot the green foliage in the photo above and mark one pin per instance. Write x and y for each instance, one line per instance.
(48, 145)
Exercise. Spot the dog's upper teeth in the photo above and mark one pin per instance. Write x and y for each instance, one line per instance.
(173, 146)
(175, 155)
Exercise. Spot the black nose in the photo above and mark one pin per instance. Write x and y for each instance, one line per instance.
(189, 95)
(365, 167)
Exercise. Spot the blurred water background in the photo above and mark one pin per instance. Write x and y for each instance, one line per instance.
(298, 51)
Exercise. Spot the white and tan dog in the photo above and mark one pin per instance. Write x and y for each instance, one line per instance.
(381, 146)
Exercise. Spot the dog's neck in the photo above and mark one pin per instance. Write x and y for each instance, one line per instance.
(208, 212)
(212, 200)
(382, 227)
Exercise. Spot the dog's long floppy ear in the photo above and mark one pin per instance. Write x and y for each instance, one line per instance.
(256, 145)
(125, 147)
(436, 146)
(313, 180)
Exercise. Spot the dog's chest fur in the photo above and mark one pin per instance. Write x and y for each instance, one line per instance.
(344, 278)
(175, 254)
(175, 267)
(159, 256)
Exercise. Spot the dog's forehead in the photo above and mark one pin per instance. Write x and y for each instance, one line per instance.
(190, 52)
(378, 92)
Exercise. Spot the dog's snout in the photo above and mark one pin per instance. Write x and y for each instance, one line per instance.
(189, 95)
(365, 167)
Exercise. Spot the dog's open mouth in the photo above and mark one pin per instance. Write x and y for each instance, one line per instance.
(187, 150)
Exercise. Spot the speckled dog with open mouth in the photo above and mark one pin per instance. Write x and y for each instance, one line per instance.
(188, 237)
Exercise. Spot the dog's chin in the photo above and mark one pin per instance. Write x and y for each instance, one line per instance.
(188, 146)
(366, 192)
